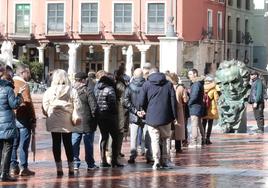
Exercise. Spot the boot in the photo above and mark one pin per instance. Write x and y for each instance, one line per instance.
(71, 168)
(59, 169)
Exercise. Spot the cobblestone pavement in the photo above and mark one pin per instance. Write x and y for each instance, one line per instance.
(233, 160)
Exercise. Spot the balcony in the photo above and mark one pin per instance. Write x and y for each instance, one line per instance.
(238, 37)
(230, 35)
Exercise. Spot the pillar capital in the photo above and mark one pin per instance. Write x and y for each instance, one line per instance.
(143, 47)
(106, 46)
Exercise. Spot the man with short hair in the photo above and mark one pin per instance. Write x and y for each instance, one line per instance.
(26, 123)
(158, 99)
(256, 98)
(196, 108)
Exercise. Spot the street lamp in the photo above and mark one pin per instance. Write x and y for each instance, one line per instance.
(91, 49)
(124, 50)
(57, 48)
(24, 49)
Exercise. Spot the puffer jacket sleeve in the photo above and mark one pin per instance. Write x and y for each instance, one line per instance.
(14, 101)
(127, 101)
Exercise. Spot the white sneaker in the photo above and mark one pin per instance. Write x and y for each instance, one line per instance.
(156, 166)
(191, 146)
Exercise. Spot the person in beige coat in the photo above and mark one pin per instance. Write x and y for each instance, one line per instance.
(59, 101)
(182, 99)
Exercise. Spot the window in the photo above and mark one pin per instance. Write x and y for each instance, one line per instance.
(238, 31)
(247, 4)
(237, 54)
(156, 18)
(230, 2)
(22, 18)
(210, 24)
(55, 18)
(221, 1)
(122, 17)
(238, 3)
(220, 31)
(89, 17)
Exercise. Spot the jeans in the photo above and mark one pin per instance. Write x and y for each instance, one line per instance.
(160, 135)
(134, 131)
(56, 146)
(22, 142)
(89, 146)
(258, 113)
(6, 151)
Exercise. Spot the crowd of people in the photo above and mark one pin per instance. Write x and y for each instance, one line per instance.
(153, 107)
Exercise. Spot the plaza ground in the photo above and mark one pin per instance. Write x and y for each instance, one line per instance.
(233, 160)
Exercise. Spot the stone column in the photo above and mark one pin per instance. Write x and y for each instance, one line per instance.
(41, 52)
(72, 58)
(143, 48)
(107, 49)
(171, 54)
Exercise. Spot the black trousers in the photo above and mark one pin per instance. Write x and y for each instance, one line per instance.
(210, 123)
(108, 126)
(258, 113)
(6, 146)
(56, 146)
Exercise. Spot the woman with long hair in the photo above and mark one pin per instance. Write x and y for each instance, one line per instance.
(59, 101)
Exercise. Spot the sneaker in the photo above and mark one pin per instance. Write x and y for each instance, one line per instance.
(156, 166)
(168, 165)
(92, 167)
(259, 131)
(192, 146)
(14, 171)
(131, 161)
(105, 165)
(8, 178)
(26, 172)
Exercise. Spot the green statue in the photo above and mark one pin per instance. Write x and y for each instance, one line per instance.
(232, 78)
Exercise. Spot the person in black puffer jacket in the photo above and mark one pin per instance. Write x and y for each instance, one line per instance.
(106, 100)
(132, 104)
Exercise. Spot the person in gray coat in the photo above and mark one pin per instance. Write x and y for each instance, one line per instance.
(88, 126)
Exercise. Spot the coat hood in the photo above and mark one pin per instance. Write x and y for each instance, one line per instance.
(157, 78)
(199, 79)
(104, 82)
(4, 83)
(209, 86)
(136, 83)
(80, 87)
(61, 91)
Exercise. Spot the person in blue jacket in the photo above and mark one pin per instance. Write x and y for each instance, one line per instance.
(8, 130)
(158, 100)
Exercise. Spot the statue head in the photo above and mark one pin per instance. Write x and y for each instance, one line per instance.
(233, 79)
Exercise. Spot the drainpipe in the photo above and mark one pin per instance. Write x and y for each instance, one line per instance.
(6, 19)
(140, 32)
(224, 31)
(72, 19)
